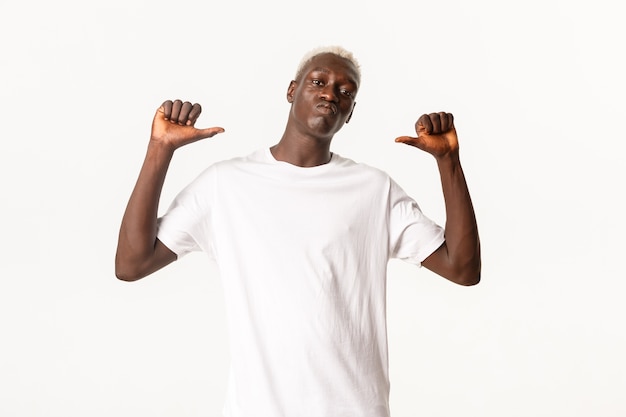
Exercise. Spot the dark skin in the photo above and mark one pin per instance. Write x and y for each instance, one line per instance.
(322, 101)
(458, 258)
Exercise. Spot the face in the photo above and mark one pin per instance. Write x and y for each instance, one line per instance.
(324, 96)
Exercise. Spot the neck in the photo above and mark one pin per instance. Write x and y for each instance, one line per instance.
(302, 152)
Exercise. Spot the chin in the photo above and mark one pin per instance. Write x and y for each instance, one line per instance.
(324, 127)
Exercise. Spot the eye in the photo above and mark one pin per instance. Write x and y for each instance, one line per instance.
(316, 82)
(347, 93)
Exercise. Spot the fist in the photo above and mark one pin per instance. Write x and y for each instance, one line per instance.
(181, 113)
(435, 134)
(174, 121)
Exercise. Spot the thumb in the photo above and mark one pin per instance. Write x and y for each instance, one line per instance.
(208, 132)
(410, 140)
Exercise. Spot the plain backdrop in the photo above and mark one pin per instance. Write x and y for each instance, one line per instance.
(537, 89)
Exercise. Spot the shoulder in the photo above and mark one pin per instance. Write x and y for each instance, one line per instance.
(235, 162)
(362, 169)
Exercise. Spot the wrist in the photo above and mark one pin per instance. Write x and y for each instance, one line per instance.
(160, 147)
(159, 151)
(448, 160)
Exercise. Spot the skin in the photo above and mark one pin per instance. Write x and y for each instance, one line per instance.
(139, 252)
(322, 102)
(458, 258)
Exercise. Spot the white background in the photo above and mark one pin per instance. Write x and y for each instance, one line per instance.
(537, 88)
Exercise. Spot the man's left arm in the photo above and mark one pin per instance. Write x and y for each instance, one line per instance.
(458, 258)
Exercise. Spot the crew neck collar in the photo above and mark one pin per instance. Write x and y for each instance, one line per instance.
(272, 159)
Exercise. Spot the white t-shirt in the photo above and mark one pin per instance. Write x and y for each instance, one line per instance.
(302, 255)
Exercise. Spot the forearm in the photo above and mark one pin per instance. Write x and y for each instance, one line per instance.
(137, 236)
(461, 230)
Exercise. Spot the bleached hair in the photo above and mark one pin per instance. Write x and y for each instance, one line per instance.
(334, 49)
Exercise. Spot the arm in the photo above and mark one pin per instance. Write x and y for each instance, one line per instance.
(458, 258)
(139, 252)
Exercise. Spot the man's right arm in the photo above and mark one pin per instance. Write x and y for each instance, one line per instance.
(139, 252)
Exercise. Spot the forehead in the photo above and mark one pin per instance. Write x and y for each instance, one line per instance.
(331, 63)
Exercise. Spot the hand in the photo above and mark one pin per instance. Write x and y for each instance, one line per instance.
(173, 124)
(435, 134)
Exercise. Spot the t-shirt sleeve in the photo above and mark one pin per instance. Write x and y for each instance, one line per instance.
(185, 226)
(413, 236)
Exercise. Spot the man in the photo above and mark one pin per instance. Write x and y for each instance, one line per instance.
(302, 237)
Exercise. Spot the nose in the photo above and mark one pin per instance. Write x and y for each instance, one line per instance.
(328, 93)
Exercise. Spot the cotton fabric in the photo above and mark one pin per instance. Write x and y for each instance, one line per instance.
(302, 255)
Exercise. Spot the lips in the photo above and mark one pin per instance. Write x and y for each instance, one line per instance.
(327, 108)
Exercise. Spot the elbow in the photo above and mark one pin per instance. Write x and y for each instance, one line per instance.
(133, 265)
(125, 271)
(126, 275)
(469, 276)
(470, 273)
(469, 280)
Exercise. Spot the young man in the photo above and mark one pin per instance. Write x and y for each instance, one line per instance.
(302, 237)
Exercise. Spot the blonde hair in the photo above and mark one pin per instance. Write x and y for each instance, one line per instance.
(334, 49)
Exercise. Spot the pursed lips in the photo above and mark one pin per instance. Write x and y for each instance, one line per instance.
(327, 107)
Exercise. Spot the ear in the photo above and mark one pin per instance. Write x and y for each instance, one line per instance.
(291, 91)
(351, 111)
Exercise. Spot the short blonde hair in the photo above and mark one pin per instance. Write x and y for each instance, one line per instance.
(334, 49)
